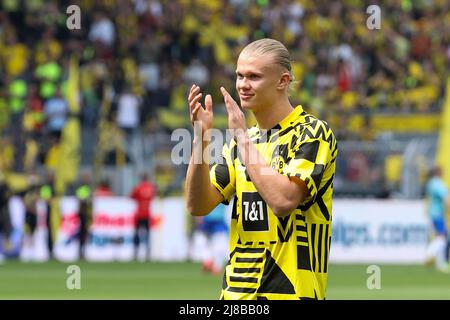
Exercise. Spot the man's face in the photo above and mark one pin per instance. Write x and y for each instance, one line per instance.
(257, 78)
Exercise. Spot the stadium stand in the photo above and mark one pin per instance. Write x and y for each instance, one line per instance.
(106, 99)
(136, 60)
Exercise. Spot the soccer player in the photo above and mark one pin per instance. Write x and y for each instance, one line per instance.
(280, 176)
(143, 194)
(210, 240)
(438, 201)
(5, 219)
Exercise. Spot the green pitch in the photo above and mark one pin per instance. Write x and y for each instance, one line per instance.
(175, 281)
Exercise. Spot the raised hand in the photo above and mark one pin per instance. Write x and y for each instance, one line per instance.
(199, 113)
(236, 118)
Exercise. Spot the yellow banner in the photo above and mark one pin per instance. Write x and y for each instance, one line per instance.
(419, 123)
(399, 123)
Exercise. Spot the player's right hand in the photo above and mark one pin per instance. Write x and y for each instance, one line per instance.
(199, 113)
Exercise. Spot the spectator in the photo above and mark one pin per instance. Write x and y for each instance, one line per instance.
(128, 112)
(196, 72)
(35, 111)
(400, 70)
(56, 111)
(102, 29)
(103, 189)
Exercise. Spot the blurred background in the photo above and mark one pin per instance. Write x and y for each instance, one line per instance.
(88, 104)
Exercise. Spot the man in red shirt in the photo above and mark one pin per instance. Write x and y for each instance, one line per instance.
(143, 193)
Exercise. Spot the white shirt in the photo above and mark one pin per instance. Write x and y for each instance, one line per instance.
(128, 111)
(102, 31)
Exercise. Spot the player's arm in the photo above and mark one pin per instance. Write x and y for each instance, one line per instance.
(281, 193)
(201, 195)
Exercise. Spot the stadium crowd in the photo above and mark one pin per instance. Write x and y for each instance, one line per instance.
(139, 57)
(150, 51)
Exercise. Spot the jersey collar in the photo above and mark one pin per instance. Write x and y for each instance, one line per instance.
(290, 118)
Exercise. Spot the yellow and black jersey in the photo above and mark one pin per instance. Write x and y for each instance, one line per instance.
(272, 257)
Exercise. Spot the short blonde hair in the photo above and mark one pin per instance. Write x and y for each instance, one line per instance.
(273, 47)
(279, 52)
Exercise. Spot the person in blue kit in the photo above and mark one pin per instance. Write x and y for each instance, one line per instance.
(211, 237)
(438, 201)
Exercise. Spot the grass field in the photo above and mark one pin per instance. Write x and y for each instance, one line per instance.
(175, 281)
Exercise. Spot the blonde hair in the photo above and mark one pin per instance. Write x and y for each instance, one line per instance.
(279, 53)
(273, 47)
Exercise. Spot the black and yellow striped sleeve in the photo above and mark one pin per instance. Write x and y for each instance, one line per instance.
(309, 159)
(223, 176)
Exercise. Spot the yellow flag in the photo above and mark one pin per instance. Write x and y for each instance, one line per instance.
(69, 155)
(73, 86)
(443, 152)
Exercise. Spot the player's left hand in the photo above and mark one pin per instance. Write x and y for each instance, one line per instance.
(236, 118)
